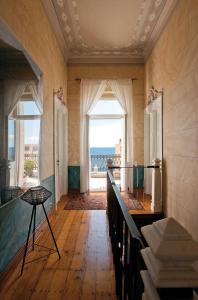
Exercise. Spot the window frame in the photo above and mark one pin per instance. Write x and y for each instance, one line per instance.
(16, 116)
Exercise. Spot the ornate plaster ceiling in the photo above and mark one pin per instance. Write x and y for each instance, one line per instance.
(109, 28)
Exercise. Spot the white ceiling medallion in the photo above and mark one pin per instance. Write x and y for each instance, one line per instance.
(92, 29)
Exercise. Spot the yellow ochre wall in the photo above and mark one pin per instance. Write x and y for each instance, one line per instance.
(104, 71)
(30, 24)
(173, 65)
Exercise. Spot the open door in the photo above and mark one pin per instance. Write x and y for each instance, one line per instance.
(60, 147)
(153, 151)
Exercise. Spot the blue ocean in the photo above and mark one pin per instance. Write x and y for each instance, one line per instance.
(102, 150)
(100, 162)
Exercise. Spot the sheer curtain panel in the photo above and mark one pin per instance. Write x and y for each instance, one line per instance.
(122, 89)
(90, 93)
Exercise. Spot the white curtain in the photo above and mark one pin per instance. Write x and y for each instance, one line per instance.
(13, 90)
(90, 93)
(122, 89)
(19, 156)
(37, 93)
(36, 88)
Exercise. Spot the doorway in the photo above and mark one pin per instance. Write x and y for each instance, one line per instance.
(106, 143)
(60, 148)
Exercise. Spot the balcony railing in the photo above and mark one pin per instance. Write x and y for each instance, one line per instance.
(99, 162)
(34, 157)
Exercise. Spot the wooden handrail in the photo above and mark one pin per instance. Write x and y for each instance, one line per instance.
(127, 242)
(128, 218)
(126, 245)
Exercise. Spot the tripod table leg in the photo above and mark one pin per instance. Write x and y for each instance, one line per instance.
(34, 226)
(26, 246)
(51, 230)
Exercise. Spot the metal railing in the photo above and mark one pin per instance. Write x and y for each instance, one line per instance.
(33, 157)
(126, 245)
(99, 162)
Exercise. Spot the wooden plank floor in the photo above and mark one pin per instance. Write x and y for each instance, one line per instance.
(85, 270)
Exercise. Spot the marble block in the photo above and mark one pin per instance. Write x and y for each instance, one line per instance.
(172, 255)
(169, 240)
(163, 277)
(150, 292)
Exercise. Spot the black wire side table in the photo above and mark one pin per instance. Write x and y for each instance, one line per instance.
(36, 196)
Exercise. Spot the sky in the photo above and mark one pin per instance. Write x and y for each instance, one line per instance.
(32, 127)
(107, 107)
(105, 133)
(31, 131)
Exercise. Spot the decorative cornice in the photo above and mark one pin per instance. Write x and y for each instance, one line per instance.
(56, 27)
(159, 26)
(153, 94)
(79, 47)
(65, 20)
(106, 60)
(60, 94)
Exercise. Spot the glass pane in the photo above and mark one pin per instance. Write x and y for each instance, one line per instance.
(105, 132)
(107, 107)
(105, 145)
(30, 108)
(11, 139)
(31, 153)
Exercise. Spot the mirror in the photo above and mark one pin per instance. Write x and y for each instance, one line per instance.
(20, 120)
(18, 71)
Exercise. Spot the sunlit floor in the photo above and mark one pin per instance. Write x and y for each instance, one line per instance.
(99, 184)
(85, 270)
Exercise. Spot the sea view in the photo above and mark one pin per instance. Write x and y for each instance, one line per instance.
(97, 162)
(102, 150)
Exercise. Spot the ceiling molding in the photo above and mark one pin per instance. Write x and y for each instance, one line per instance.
(105, 60)
(54, 22)
(65, 20)
(168, 9)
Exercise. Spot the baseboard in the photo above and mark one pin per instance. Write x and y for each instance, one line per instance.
(19, 255)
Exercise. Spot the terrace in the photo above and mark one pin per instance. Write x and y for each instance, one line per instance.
(98, 166)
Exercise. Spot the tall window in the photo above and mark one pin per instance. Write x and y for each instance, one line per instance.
(106, 142)
(23, 141)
